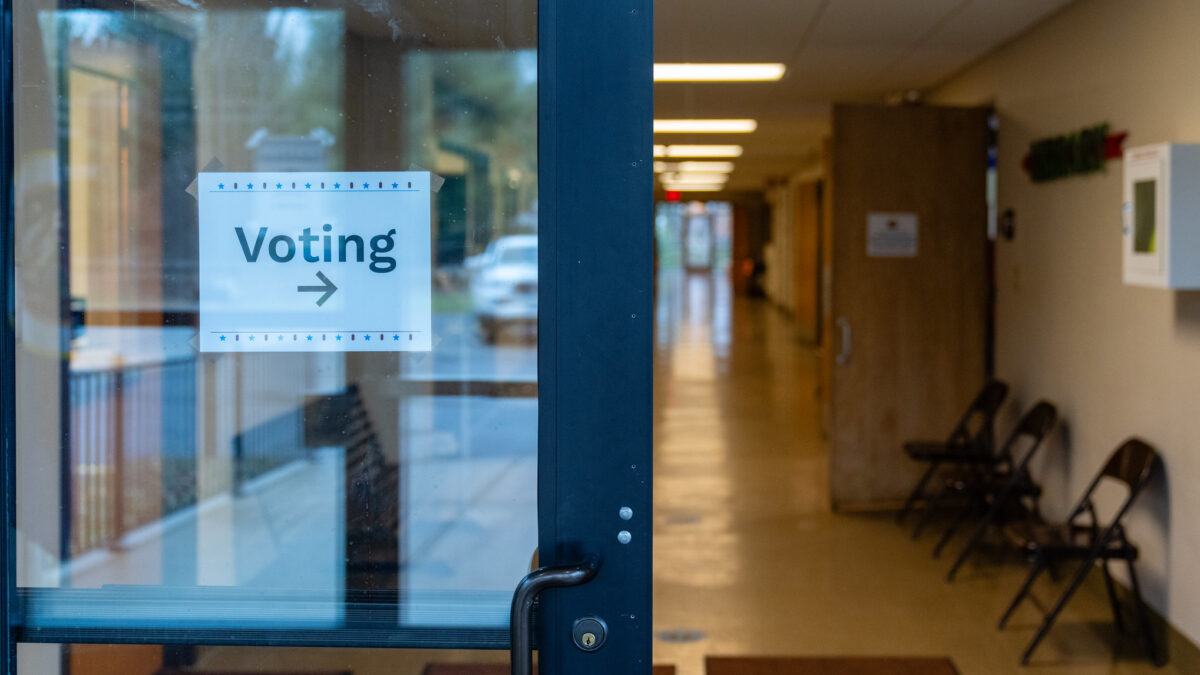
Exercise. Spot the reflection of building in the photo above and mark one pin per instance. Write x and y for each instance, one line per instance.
(286, 152)
(130, 144)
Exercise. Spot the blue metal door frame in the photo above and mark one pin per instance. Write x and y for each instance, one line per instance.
(7, 343)
(594, 366)
(594, 369)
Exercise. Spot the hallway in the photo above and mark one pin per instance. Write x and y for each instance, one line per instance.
(749, 559)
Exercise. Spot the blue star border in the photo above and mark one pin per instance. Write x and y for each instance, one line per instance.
(320, 186)
(271, 337)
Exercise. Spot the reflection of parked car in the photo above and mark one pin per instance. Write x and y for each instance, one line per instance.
(504, 284)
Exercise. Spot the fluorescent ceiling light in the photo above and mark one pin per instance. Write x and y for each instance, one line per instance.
(693, 166)
(718, 72)
(694, 177)
(671, 187)
(718, 167)
(698, 151)
(737, 126)
(685, 185)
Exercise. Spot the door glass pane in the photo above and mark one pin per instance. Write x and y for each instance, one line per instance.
(310, 474)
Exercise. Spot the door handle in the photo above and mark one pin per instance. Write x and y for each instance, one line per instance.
(521, 621)
(843, 356)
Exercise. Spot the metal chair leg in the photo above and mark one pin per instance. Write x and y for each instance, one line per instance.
(1039, 564)
(949, 533)
(927, 514)
(1076, 581)
(976, 536)
(916, 492)
(1052, 568)
(1143, 620)
(1112, 598)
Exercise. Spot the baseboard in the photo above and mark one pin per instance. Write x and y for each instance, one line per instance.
(867, 505)
(1181, 652)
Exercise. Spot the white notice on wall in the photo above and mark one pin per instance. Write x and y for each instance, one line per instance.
(315, 261)
(892, 235)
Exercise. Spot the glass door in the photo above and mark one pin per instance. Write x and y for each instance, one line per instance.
(327, 323)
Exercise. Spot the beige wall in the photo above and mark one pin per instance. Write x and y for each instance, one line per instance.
(1118, 360)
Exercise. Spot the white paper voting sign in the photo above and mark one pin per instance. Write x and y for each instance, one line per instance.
(314, 261)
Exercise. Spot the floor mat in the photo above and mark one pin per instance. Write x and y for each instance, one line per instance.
(827, 665)
(498, 669)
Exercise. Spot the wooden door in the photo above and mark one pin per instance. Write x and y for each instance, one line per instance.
(909, 295)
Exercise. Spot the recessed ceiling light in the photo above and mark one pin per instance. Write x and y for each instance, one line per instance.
(697, 151)
(718, 72)
(737, 126)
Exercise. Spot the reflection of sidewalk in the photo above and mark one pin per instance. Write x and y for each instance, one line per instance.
(473, 527)
(471, 505)
(459, 353)
(470, 525)
(284, 531)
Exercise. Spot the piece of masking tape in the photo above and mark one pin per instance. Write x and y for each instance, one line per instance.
(435, 181)
(214, 165)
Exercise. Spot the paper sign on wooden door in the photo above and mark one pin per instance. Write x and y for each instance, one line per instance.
(892, 235)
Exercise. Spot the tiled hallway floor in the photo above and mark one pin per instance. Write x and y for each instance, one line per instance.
(748, 554)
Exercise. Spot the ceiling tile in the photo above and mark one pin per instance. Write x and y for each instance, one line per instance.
(985, 24)
(879, 23)
(722, 31)
(856, 51)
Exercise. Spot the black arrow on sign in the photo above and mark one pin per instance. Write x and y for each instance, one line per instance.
(328, 289)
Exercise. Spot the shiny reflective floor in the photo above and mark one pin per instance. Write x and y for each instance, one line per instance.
(749, 559)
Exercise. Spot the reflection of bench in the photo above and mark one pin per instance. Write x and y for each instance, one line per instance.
(372, 487)
(267, 446)
(372, 483)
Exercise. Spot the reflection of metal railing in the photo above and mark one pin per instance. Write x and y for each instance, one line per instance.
(132, 449)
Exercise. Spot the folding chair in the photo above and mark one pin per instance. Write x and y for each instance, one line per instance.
(964, 444)
(1133, 464)
(1000, 490)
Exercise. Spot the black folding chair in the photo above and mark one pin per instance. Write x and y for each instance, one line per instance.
(999, 492)
(970, 442)
(1083, 538)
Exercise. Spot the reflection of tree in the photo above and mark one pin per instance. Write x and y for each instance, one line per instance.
(487, 98)
(281, 69)
(488, 101)
(484, 111)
